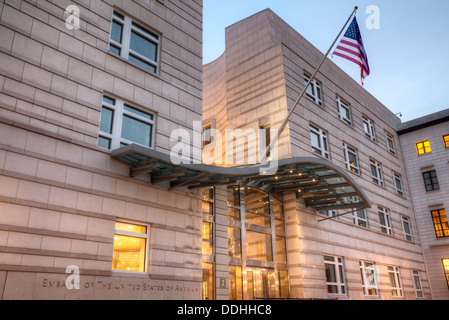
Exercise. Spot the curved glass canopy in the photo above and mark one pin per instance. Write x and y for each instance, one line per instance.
(321, 184)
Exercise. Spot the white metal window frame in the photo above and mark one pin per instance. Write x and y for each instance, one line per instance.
(125, 46)
(397, 179)
(406, 225)
(385, 227)
(117, 121)
(368, 127)
(356, 219)
(371, 281)
(317, 93)
(348, 150)
(337, 265)
(395, 282)
(417, 285)
(391, 145)
(376, 172)
(145, 236)
(344, 111)
(323, 149)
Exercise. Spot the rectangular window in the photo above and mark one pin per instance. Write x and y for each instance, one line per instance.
(334, 275)
(368, 127)
(391, 146)
(207, 138)
(385, 221)
(258, 246)
(446, 141)
(313, 90)
(395, 282)
(376, 172)
(208, 281)
(235, 283)
(397, 181)
(320, 144)
(369, 278)
(134, 42)
(208, 247)
(329, 213)
(406, 227)
(344, 111)
(419, 293)
(130, 247)
(446, 270)
(423, 147)
(233, 202)
(351, 159)
(431, 180)
(234, 242)
(360, 218)
(440, 223)
(122, 124)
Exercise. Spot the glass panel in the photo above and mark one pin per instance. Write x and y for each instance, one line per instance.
(278, 209)
(258, 246)
(129, 253)
(130, 227)
(208, 281)
(142, 63)
(250, 285)
(281, 256)
(138, 112)
(136, 131)
(116, 32)
(235, 283)
(207, 238)
(257, 202)
(315, 139)
(107, 116)
(104, 143)
(143, 46)
(114, 49)
(257, 219)
(283, 284)
(234, 242)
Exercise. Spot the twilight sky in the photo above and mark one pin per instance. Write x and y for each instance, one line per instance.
(408, 54)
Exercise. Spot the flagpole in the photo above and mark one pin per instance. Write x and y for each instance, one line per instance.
(284, 123)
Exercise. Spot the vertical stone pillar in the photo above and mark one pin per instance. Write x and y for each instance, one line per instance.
(221, 244)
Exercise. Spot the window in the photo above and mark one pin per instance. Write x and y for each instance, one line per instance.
(208, 247)
(395, 282)
(234, 242)
(320, 144)
(329, 213)
(446, 270)
(334, 275)
(423, 147)
(376, 171)
(344, 111)
(207, 138)
(406, 227)
(419, 293)
(351, 159)
(235, 283)
(313, 90)
(360, 218)
(446, 141)
(391, 146)
(385, 221)
(265, 137)
(208, 281)
(122, 124)
(134, 42)
(397, 181)
(369, 278)
(431, 180)
(130, 247)
(440, 223)
(368, 126)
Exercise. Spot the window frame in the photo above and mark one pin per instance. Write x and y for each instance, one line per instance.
(385, 216)
(391, 144)
(339, 271)
(347, 149)
(369, 128)
(323, 138)
(398, 178)
(397, 286)
(119, 112)
(317, 92)
(379, 177)
(341, 104)
(439, 226)
(423, 147)
(445, 262)
(366, 287)
(406, 221)
(433, 185)
(145, 236)
(446, 141)
(129, 25)
(356, 219)
(416, 278)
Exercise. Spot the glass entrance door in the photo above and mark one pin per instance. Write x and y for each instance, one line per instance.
(261, 283)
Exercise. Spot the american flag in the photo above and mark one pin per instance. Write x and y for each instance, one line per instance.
(351, 48)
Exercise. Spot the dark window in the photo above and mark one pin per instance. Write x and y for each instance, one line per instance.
(431, 180)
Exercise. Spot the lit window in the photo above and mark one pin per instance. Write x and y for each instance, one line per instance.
(130, 247)
(419, 293)
(376, 171)
(369, 278)
(208, 201)
(344, 111)
(134, 43)
(360, 218)
(320, 144)
(208, 281)
(395, 282)
(234, 242)
(423, 147)
(440, 223)
(208, 238)
(391, 146)
(235, 283)
(397, 179)
(368, 126)
(207, 138)
(431, 180)
(446, 270)
(446, 141)
(122, 124)
(313, 91)
(385, 221)
(406, 227)
(334, 275)
(351, 159)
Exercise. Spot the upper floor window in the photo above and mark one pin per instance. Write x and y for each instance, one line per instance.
(314, 91)
(406, 228)
(351, 159)
(431, 180)
(440, 223)
(391, 146)
(446, 141)
(360, 218)
(344, 111)
(122, 124)
(446, 270)
(320, 144)
(376, 171)
(207, 137)
(134, 42)
(385, 221)
(397, 179)
(423, 147)
(368, 126)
